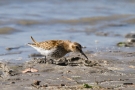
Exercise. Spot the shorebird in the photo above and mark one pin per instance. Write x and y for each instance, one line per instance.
(55, 49)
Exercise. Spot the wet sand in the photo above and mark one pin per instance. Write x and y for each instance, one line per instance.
(103, 71)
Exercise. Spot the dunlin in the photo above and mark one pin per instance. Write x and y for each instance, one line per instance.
(55, 49)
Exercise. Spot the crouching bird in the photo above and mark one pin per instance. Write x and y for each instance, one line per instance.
(55, 49)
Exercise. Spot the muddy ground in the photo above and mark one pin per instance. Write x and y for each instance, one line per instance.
(111, 70)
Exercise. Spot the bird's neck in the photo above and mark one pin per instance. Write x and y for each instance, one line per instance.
(67, 46)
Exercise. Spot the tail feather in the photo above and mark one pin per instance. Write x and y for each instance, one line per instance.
(33, 39)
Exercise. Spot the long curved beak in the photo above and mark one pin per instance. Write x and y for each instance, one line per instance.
(83, 54)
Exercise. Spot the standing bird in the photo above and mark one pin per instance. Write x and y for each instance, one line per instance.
(55, 49)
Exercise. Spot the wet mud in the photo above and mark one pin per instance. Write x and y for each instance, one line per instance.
(103, 71)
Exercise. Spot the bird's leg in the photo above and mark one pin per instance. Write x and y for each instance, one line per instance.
(45, 60)
(52, 61)
(61, 61)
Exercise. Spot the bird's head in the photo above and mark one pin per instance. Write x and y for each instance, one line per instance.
(76, 47)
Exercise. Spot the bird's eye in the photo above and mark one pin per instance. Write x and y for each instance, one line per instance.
(77, 47)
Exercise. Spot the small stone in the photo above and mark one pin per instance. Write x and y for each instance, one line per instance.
(68, 71)
(36, 82)
(62, 84)
(45, 85)
(8, 48)
(12, 82)
(127, 83)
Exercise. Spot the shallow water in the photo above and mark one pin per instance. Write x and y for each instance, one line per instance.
(79, 21)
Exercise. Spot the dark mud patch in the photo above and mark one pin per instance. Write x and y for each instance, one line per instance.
(101, 30)
(130, 35)
(7, 30)
(130, 21)
(92, 20)
(12, 48)
(81, 21)
(28, 22)
(107, 34)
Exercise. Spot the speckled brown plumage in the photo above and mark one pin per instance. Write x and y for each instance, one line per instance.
(56, 48)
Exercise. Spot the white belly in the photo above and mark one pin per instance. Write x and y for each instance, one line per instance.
(52, 53)
(43, 51)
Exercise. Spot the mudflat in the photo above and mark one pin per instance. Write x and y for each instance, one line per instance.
(111, 70)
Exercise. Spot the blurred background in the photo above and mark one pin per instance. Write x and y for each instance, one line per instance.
(97, 24)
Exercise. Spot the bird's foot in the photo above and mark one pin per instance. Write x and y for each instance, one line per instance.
(50, 61)
(42, 60)
(62, 61)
